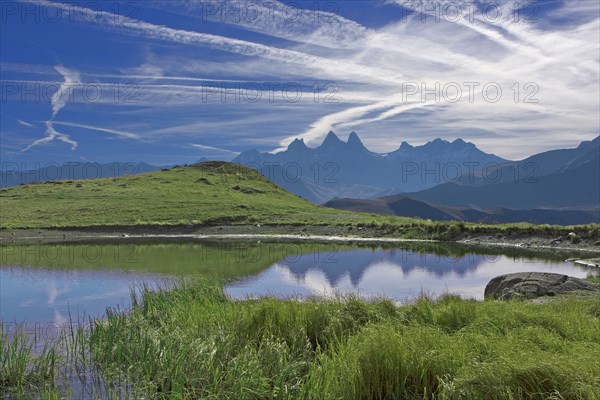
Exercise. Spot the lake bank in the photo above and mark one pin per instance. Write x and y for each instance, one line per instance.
(541, 239)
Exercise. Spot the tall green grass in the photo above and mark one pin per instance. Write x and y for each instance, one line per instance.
(193, 342)
(21, 365)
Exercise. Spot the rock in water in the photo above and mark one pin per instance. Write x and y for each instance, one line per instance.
(530, 285)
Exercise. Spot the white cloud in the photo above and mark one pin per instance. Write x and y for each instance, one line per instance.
(319, 25)
(27, 124)
(204, 147)
(371, 65)
(135, 27)
(120, 133)
(58, 102)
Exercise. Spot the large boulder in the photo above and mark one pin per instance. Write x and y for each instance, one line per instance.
(530, 285)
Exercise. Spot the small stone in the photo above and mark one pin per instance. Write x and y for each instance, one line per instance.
(556, 241)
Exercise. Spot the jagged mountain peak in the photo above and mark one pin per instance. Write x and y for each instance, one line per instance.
(439, 144)
(354, 141)
(297, 145)
(353, 137)
(331, 140)
(438, 141)
(331, 136)
(459, 142)
(406, 146)
(590, 143)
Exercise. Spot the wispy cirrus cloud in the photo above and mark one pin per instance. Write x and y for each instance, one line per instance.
(148, 30)
(120, 133)
(555, 64)
(58, 102)
(24, 123)
(318, 25)
(204, 147)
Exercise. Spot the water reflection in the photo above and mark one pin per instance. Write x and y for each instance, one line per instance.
(400, 274)
(63, 296)
(62, 283)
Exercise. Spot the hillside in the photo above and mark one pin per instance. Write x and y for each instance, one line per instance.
(542, 164)
(408, 207)
(574, 186)
(209, 193)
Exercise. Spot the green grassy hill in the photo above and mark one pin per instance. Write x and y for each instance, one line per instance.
(209, 193)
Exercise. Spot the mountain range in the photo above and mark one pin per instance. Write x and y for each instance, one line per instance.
(405, 206)
(348, 169)
(440, 180)
(558, 179)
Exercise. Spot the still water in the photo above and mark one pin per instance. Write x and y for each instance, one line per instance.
(62, 283)
(398, 274)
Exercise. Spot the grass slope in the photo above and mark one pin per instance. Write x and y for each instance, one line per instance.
(207, 193)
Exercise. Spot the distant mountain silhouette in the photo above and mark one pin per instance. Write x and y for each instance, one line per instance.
(348, 169)
(542, 164)
(401, 205)
(573, 184)
(71, 171)
(555, 187)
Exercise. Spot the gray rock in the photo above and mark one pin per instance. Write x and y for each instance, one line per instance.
(530, 285)
(252, 191)
(556, 241)
(248, 190)
(589, 262)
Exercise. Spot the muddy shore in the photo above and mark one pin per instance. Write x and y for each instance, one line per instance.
(282, 233)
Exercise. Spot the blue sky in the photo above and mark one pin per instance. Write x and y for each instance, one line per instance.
(173, 81)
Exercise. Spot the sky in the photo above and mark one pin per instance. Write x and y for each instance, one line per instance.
(168, 82)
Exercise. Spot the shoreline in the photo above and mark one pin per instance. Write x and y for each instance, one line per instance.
(281, 233)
